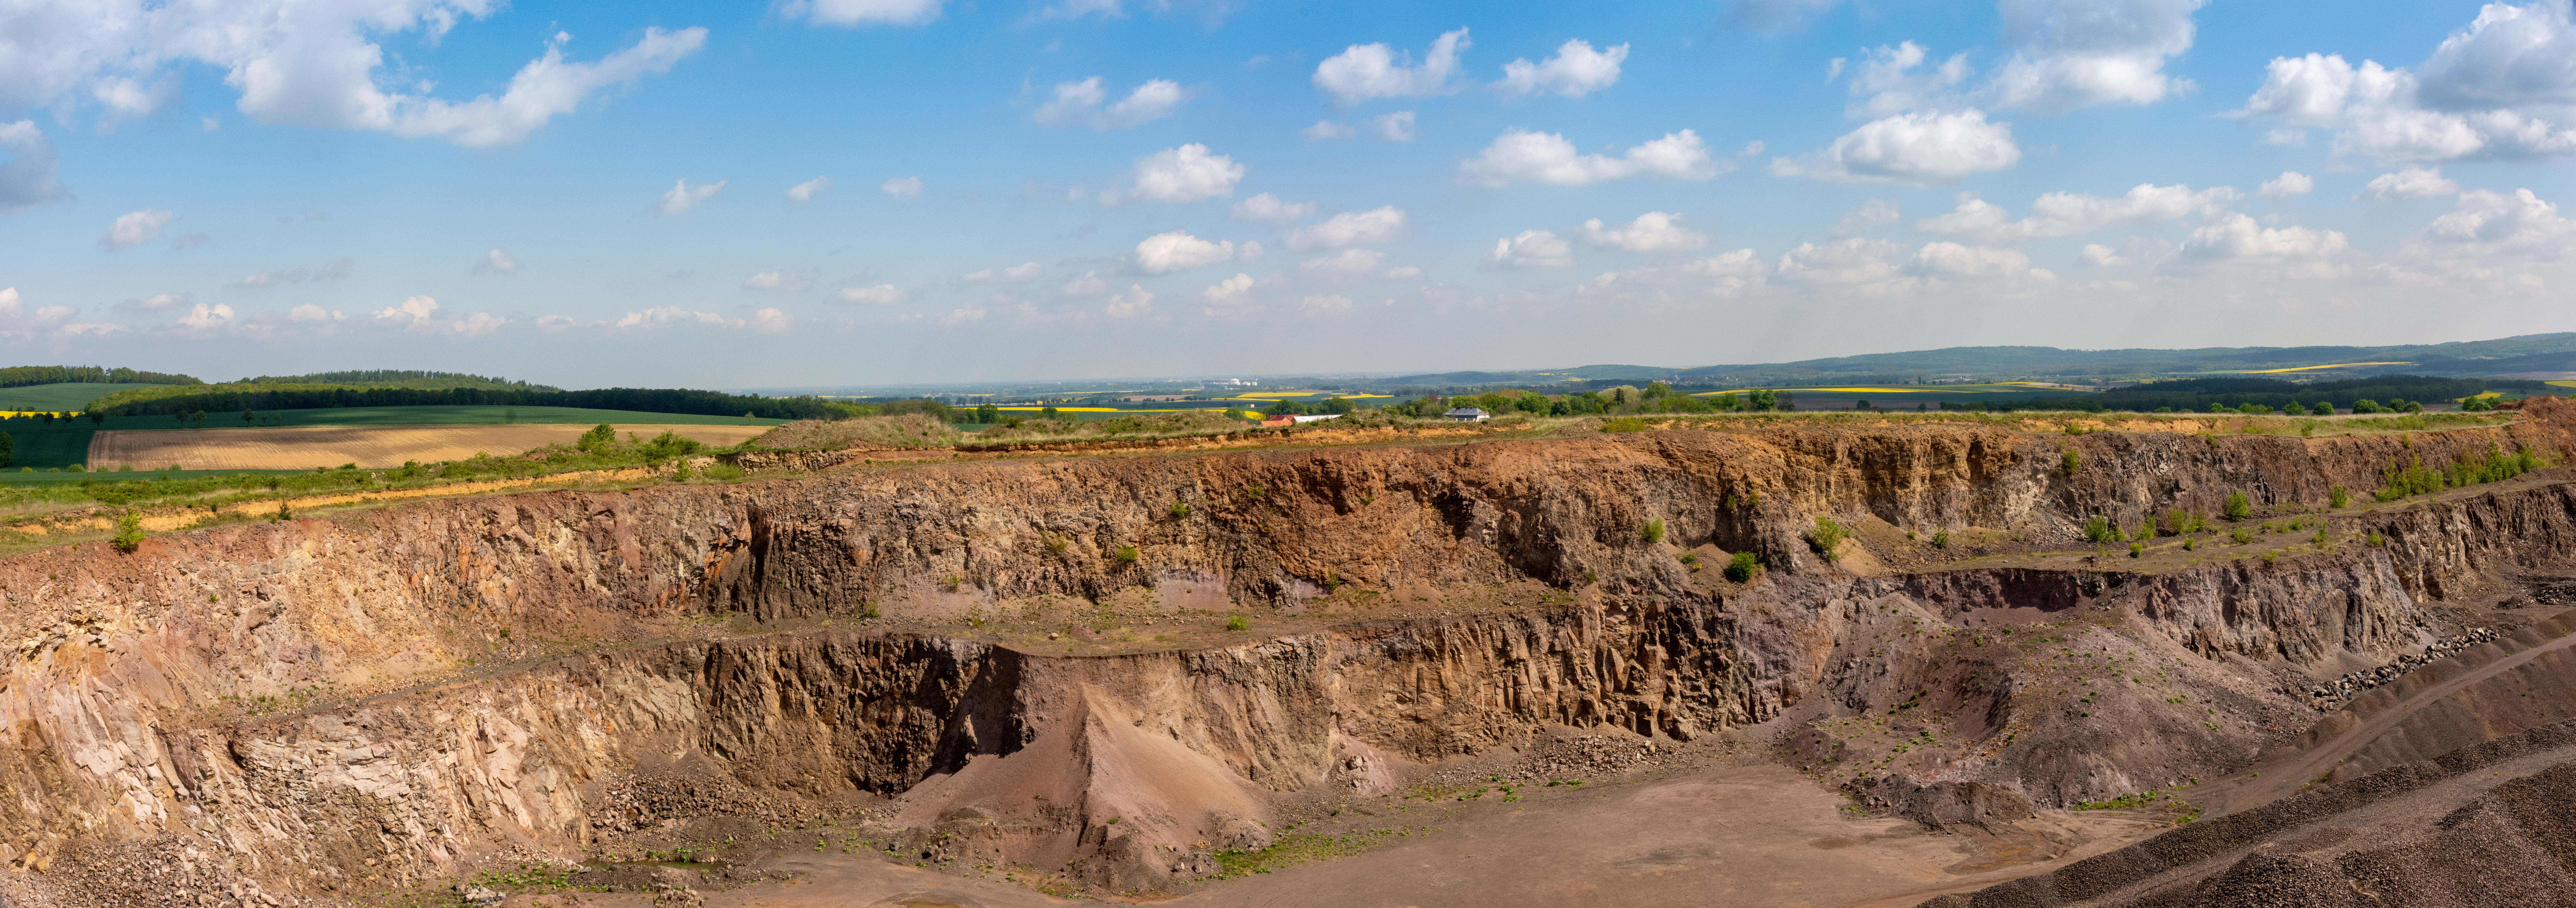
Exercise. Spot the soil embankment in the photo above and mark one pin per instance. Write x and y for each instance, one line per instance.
(1119, 673)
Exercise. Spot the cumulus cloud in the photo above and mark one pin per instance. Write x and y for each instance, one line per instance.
(881, 294)
(2096, 255)
(862, 12)
(201, 316)
(902, 187)
(1079, 104)
(1891, 80)
(1365, 71)
(312, 313)
(1949, 260)
(1185, 174)
(806, 191)
(496, 262)
(1016, 273)
(1531, 249)
(1871, 215)
(1088, 283)
(770, 321)
(1350, 228)
(1575, 71)
(2068, 213)
(1228, 290)
(1344, 263)
(1858, 260)
(155, 303)
(1520, 156)
(1268, 207)
(2288, 184)
(1325, 129)
(2073, 53)
(2237, 236)
(135, 228)
(27, 177)
(1136, 301)
(1164, 253)
(2500, 87)
(2410, 183)
(1396, 127)
(683, 196)
(1919, 148)
(2489, 222)
(1403, 271)
(305, 64)
(413, 309)
(1654, 231)
(778, 282)
(660, 316)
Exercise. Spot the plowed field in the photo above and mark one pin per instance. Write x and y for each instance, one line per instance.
(371, 447)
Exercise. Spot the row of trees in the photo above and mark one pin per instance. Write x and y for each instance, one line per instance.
(23, 376)
(1655, 397)
(167, 401)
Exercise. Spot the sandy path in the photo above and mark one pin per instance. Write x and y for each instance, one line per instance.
(370, 447)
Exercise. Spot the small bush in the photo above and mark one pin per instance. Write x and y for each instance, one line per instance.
(2187, 544)
(1828, 538)
(1180, 510)
(129, 533)
(2098, 529)
(2137, 549)
(1236, 623)
(1127, 554)
(1654, 530)
(2376, 540)
(2241, 536)
(1743, 567)
(2071, 462)
(1941, 539)
(2338, 497)
(2238, 506)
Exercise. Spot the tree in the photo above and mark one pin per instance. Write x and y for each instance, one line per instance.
(597, 439)
(1655, 389)
(2366, 405)
(1762, 400)
(97, 418)
(248, 417)
(988, 414)
(2323, 408)
(8, 450)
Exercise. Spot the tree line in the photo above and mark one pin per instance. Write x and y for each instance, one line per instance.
(2200, 395)
(22, 376)
(237, 397)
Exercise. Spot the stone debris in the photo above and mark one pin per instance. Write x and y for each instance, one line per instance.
(2333, 694)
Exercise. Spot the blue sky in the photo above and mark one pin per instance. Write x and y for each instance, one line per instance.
(606, 194)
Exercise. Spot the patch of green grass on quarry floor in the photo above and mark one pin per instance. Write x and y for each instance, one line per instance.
(1302, 847)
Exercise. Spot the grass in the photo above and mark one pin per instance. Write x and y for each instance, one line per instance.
(62, 398)
(1299, 848)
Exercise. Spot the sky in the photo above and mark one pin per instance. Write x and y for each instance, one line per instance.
(853, 192)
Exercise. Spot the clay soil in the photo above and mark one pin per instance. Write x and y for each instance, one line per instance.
(370, 447)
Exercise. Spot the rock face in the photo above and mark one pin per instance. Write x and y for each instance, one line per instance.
(360, 695)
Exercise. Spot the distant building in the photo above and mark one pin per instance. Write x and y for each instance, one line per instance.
(1308, 419)
(1468, 414)
(1277, 421)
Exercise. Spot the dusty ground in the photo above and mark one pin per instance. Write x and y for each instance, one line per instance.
(370, 447)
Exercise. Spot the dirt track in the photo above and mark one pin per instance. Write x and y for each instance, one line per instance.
(306, 447)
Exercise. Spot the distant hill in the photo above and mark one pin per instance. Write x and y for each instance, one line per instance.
(23, 376)
(400, 378)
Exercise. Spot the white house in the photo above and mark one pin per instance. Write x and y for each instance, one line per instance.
(1468, 414)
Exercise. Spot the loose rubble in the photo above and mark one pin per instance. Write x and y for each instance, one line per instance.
(2334, 694)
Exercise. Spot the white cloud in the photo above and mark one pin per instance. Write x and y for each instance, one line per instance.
(1136, 301)
(2493, 222)
(902, 187)
(1395, 127)
(2236, 236)
(1942, 259)
(1520, 156)
(155, 302)
(683, 196)
(1365, 71)
(778, 281)
(1350, 228)
(1323, 305)
(2072, 53)
(414, 309)
(1345, 262)
(1078, 103)
(201, 316)
(862, 12)
(1016, 273)
(1919, 148)
(880, 294)
(496, 262)
(310, 313)
(1325, 129)
(1575, 71)
(1531, 249)
(1654, 231)
(135, 228)
(2068, 213)
(1886, 82)
(770, 321)
(1871, 215)
(27, 178)
(672, 315)
(1268, 207)
(2500, 87)
(806, 191)
(1088, 283)
(477, 324)
(1185, 174)
(2096, 255)
(2289, 183)
(1228, 290)
(1164, 253)
(1858, 260)
(1401, 272)
(2410, 183)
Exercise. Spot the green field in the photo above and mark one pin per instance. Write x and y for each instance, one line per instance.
(66, 442)
(62, 398)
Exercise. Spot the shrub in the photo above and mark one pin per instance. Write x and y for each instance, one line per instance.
(1236, 623)
(2137, 549)
(2322, 408)
(1941, 539)
(2241, 536)
(2375, 539)
(2238, 506)
(1828, 538)
(129, 533)
(2187, 544)
(1742, 567)
(1127, 554)
(2366, 405)
(599, 436)
(1180, 510)
(1654, 530)
(2338, 497)
(2071, 462)
(2097, 529)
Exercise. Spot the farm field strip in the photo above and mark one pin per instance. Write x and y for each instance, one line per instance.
(371, 447)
